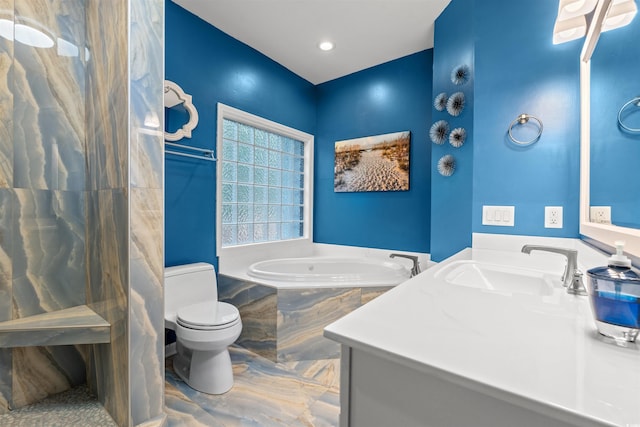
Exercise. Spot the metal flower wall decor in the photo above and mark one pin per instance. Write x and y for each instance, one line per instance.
(457, 137)
(440, 103)
(439, 131)
(447, 165)
(460, 75)
(455, 104)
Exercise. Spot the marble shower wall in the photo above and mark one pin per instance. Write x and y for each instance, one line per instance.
(146, 175)
(6, 201)
(125, 250)
(108, 208)
(42, 191)
(81, 197)
(6, 104)
(286, 325)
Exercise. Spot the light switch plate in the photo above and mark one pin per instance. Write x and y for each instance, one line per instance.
(502, 216)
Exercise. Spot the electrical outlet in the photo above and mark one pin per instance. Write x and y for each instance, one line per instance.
(553, 216)
(600, 214)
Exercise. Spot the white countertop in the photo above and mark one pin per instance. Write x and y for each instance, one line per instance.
(539, 352)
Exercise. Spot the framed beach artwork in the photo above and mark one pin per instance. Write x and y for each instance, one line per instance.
(373, 163)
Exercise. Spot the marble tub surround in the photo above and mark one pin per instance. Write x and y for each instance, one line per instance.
(492, 345)
(265, 394)
(286, 324)
(258, 307)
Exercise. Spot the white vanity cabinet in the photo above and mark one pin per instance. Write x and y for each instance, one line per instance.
(434, 352)
(379, 391)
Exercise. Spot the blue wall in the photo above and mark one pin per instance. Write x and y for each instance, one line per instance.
(516, 69)
(391, 97)
(519, 70)
(451, 196)
(615, 175)
(214, 67)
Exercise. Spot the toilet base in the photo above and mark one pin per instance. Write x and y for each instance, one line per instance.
(206, 371)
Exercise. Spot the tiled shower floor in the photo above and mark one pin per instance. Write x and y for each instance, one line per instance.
(265, 394)
(75, 407)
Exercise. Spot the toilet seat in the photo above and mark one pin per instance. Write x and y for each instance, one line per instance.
(205, 316)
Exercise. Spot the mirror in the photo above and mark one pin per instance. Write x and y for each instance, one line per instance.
(181, 116)
(615, 151)
(610, 177)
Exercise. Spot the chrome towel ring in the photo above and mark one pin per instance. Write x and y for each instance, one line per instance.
(635, 101)
(521, 120)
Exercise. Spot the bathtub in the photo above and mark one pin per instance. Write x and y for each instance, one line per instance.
(286, 303)
(329, 272)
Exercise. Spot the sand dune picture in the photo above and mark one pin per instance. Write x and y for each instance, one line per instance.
(374, 163)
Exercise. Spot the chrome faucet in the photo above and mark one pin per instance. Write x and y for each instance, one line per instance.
(415, 270)
(572, 277)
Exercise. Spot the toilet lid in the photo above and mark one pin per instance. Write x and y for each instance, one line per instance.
(204, 315)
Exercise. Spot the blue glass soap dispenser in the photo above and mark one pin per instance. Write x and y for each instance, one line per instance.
(614, 292)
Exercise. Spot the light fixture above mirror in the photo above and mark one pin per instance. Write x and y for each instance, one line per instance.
(620, 14)
(577, 17)
(569, 29)
(568, 9)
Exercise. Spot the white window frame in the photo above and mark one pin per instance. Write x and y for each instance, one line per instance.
(234, 114)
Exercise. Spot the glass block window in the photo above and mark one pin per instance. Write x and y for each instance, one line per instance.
(262, 175)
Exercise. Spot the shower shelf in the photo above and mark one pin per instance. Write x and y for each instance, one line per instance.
(75, 325)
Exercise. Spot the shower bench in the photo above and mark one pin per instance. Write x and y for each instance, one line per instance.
(75, 325)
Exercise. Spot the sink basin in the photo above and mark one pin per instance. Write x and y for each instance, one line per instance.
(499, 278)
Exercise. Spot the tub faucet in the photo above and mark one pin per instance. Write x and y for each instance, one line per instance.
(415, 270)
(572, 277)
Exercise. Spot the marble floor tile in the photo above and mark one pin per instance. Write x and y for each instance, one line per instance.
(324, 371)
(265, 394)
(322, 413)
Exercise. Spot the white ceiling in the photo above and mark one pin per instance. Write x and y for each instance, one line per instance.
(365, 32)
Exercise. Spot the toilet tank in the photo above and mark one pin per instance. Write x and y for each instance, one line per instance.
(188, 284)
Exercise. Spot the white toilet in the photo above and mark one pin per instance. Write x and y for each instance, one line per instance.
(204, 327)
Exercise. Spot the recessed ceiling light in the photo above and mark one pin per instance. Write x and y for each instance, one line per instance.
(325, 46)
